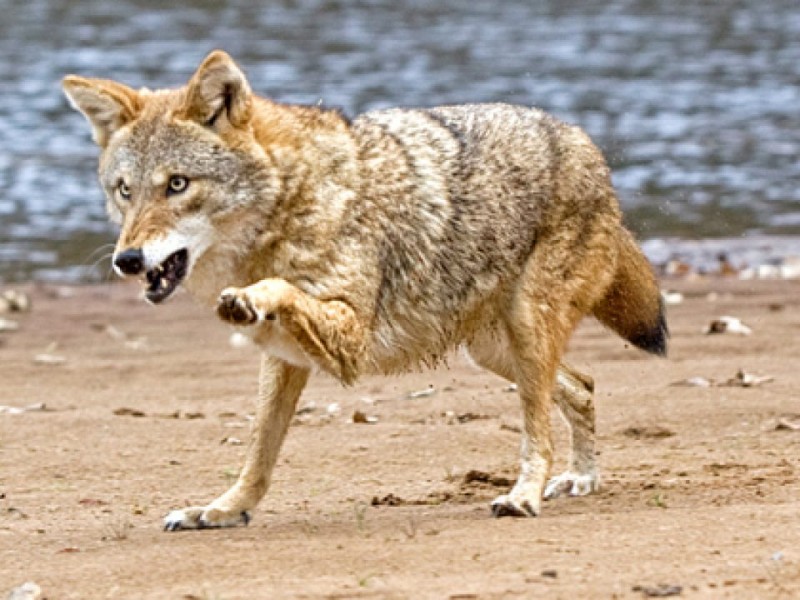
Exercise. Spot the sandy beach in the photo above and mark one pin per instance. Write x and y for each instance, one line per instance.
(145, 410)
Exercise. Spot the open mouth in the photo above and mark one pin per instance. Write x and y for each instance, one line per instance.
(163, 279)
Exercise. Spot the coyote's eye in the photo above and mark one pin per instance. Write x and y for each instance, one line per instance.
(177, 185)
(124, 190)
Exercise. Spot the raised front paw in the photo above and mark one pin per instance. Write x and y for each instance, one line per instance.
(515, 504)
(201, 517)
(255, 303)
(235, 306)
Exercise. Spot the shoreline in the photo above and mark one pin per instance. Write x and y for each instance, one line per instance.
(756, 252)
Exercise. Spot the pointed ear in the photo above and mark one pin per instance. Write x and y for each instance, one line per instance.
(107, 105)
(218, 89)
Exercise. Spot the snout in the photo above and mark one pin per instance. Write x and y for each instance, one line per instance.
(130, 261)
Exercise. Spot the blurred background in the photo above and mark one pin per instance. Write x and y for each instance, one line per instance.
(696, 104)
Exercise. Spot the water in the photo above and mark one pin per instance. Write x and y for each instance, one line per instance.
(696, 104)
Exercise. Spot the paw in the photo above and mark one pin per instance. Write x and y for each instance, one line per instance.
(235, 306)
(571, 484)
(200, 517)
(514, 505)
(255, 303)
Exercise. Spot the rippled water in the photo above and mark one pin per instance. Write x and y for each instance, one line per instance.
(696, 104)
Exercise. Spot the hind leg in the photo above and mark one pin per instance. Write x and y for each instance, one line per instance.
(562, 281)
(573, 395)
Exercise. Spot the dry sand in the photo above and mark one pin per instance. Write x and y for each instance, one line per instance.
(700, 488)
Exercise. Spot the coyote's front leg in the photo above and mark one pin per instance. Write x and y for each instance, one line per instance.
(298, 327)
(279, 389)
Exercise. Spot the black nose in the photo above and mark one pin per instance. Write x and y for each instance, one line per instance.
(130, 262)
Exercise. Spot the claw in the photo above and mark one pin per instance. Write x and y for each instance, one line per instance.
(172, 526)
(506, 507)
(235, 309)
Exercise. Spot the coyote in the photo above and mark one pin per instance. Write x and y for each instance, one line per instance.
(376, 245)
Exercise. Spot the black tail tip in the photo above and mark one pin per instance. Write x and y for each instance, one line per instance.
(654, 339)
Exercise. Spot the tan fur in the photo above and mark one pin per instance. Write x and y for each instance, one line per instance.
(377, 246)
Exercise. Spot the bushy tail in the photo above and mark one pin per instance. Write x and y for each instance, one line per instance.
(633, 306)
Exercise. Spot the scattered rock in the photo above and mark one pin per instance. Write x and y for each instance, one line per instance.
(333, 409)
(128, 412)
(717, 468)
(13, 511)
(27, 591)
(429, 391)
(8, 325)
(745, 379)
(661, 590)
(131, 342)
(729, 325)
(56, 292)
(452, 417)
(694, 382)
(741, 379)
(387, 500)
(307, 409)
(512, 387)
(360, 417)
(726, 267)
(551, 573)
(647, 432)
(49, 359)
(14, 301)
(18, 410)
(139, 343)
(785, 268)
(788, 422)
(475, 476)
(231, 441)
(675, 267)
(173, 415)
(510, 427)
(92, 502)
(671, 297)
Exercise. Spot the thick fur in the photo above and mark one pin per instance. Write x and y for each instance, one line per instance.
(377, 246)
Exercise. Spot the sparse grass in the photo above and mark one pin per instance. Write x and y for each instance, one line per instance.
(204, 595)
(309, 528)
(360, 513)
(451, 475)
(411, 528)
(115, 529)
(363, 581)
(659, 500)
(784, 577)
(231, 474)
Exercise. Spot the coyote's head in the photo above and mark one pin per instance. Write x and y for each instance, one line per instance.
(180, 168)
